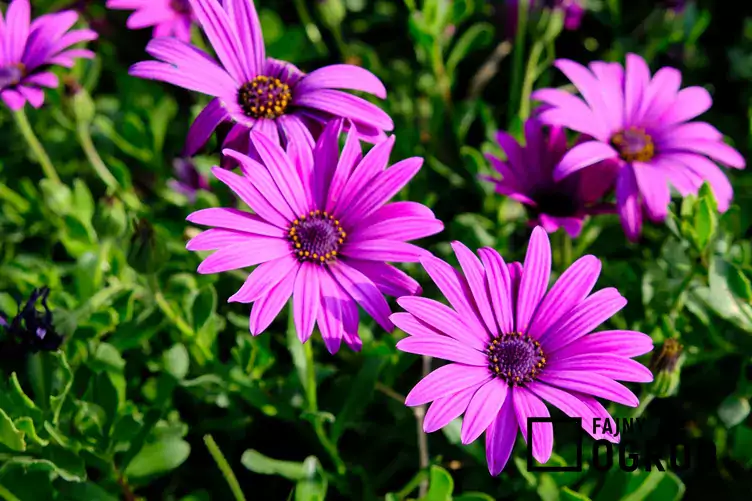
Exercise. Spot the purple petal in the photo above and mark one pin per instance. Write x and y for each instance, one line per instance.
(534, 281)
(388, 279)
(660, 94)
(709, 172)
(326, 155)
(589, 88)
(527, 405)
(365, 292)
(155, 70)
(581, 156)
(483, 409)
(281, 169)
(499, 284)
(572, 287)
(591, 384)
(637, 79)
(305, 300)
(384, 187)
(402, 228)
(689, 103)
(384, 250)
(476, 279)
(443, 347)
(348, 159)
(444, 319)
(342, 104)
(217, 238)
(234, 219)
(444, 410)
(18, 18)
(444, 381)
(373, 163)
(500, 436)
(569, 111)
(244, 18)
(611, 366)
(266, 309)
(583, 318)
(653, 186)
(342, 76)
(717, 150)
(330, 316)
(204, 126)
(628, 203)
(412, 325)
(251, 196)
(621, 343)
(263, 278)
(254, 251)
(224, 40)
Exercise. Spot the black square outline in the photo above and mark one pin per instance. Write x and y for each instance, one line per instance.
(563, 420)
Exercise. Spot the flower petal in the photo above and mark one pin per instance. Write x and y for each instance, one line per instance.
(581, 156)
(499, 284)
(263, 278)
(445, 320)
(611, 366)
(528, 405)
(444, 410)
(443, 347)
(500, 437)
(621, 343)
(483, 409)
(342, 76)
(535, 275)
(476, 279)
(305, 300)
(364, 291)
(591, 384)
(266, 309)
(444, 381)
(253, 251)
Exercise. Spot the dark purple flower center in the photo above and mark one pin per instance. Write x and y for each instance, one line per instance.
(264, 97)
(516, 358)
(556, 204)
(316, 237)
(11, 75)
(634, 145)
(181, 6)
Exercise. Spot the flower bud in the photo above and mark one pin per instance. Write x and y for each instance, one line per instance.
(110, 220)
(147, 252)
(78, 101)
(666, 367)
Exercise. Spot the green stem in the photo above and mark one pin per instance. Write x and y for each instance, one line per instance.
(531, 74)
(28, 133)
(678, 303)
(313, 408)
(644, 402)
(224, 467)
(7, 495)
(37, 379)
(442, 78)
(314, 35)
(166, 308)
(519, 56)
(84, 137)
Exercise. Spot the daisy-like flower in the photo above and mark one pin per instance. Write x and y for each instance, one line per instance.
(321, 232)
(513, 346)
(641, 124)
(527, 177)
(28, 49)
(170, 18)
(255, 92)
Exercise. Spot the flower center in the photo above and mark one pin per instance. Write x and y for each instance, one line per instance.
(181, 6)
(634, 145)
(11, 75)
(316, 237)
(516, 358)
(264, 97)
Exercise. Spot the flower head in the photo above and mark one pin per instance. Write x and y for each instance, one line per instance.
(170, 18)
(527, 176)
(31, 329)
(28, 49)
(321, 232)
(640, 124)
(513, 344)
(253, 91)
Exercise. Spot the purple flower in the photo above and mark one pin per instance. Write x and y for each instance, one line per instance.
(641, 124)
(30, 329)
(28, 49)
(320, 233)
(513, 346)
(188, 180)
(256, 92)
(170, 18)
(573, 11)
(527, 177)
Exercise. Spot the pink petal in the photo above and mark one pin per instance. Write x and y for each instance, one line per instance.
(263, 278)
(483, 409)
(527, 405)
(591, 384)
(444, 410)
(499, 284)
(444, 381)
(476, 278)
(254, 251)
(305, 300)
(581, 156)
(535, 275)
(500, 436)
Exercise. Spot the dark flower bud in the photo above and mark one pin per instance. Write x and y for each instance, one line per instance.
(147, 252)
(32, 330)
(666, 367)
(110, 220)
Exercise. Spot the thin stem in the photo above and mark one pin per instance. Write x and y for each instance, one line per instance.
(442, 78)
(644, 402)
(420, 414)
(84, 137)
(519, 56)
(35, 366)
(488, 70)
(7, 495)
(166, 308)
(678, 303)
(313, 407)
(224, 467)
(531, 73)
(310, 27)
(41, 155)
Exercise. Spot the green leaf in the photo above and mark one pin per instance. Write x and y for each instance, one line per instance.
(733, 410)
(567, 494)
(176, 361)
(314, 486)
(359, 395)
(670, 488)
(26, 425)
(16, 403)
(479, 35)
(64, 379)
(258, 463)
(158, 458)
(83, 202)
(473, 496)
(68, 465)
(440, 485)
(705, 222)
(10, 436)
(738, 282)
(107, 358)
(83, 491)
(204, 306)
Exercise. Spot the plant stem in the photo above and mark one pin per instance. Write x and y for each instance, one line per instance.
(28, 133)
(313, 408)
(677, 303)
(644, 402)
(224, 467)
(420, 414)
(7, 495)
(314, 35)
(166, 308)
(531, 74)
(84, 137)
(519, 56)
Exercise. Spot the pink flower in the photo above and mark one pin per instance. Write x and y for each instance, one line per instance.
(641, 124)
(514, 345)
(170, 18)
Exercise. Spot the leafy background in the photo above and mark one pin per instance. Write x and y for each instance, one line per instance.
(155, 359)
